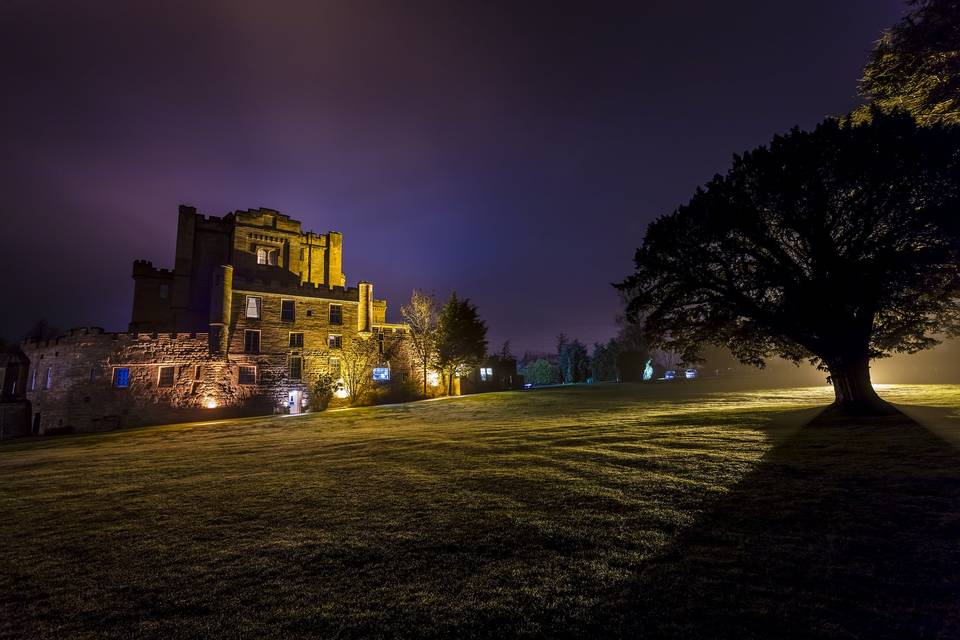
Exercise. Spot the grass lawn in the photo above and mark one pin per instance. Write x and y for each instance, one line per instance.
(680, 510)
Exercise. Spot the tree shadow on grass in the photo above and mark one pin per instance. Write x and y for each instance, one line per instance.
(849, 528)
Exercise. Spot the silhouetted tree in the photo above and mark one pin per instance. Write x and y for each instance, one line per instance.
(838, 245)
(504, 361)
(604, 361)
(633, 350)
(572, 359)
(668, 358)
(421, 316)
(461, 338)
(915, 65)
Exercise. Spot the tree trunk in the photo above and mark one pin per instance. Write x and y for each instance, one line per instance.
(854, 392)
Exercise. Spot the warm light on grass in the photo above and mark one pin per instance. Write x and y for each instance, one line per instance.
(536, 514)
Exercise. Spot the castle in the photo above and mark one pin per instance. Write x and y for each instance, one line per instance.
(252, 311)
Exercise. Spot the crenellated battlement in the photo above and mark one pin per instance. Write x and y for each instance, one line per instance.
(145, 268)
(307, 289)
(87, 334)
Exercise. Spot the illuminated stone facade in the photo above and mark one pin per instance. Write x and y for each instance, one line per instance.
(252, 312)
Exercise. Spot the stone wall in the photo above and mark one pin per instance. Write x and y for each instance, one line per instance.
(311, 319)
(82, 393)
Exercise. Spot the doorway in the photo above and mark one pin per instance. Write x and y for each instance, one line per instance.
(296, 402)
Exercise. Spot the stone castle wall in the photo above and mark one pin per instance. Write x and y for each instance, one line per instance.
(82, 394)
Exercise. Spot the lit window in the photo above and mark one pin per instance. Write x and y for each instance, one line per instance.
(296, 341)
(335, 341)
(48, 382)
(334, 367)
(121, 377)
(164, 291)
(248, 375)
(381, 374)
(251, 341)
(336, 314)
(261, 256)
(486, 373)
(296, 367)
(254, 304)
(166, 377)
(287, 312)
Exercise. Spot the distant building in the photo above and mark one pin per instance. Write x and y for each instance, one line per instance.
(494, 373)
(252, 311)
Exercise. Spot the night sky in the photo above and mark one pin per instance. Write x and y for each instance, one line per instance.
(511, 151)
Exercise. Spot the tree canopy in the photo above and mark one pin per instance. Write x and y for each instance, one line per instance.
(836, 245)
(461, 337)
(541, 371)
(915, 65)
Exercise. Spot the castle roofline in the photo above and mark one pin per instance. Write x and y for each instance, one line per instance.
(306, 289)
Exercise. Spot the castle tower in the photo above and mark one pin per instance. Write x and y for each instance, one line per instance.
(365, 308)
(221, 301)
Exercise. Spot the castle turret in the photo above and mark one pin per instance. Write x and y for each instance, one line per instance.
(334, 266)
(365, 309)
(221, 301)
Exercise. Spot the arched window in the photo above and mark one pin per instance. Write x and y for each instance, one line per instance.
(272, 257)
(261, 256)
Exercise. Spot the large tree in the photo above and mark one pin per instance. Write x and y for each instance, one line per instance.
(836, 245)
(421, 316)
(915, 65)
(461, 338)
(603, 363)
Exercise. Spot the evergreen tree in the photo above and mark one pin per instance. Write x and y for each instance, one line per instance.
(461, 338)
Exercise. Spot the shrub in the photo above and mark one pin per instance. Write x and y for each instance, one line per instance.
(323, 390)
(395, 392)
